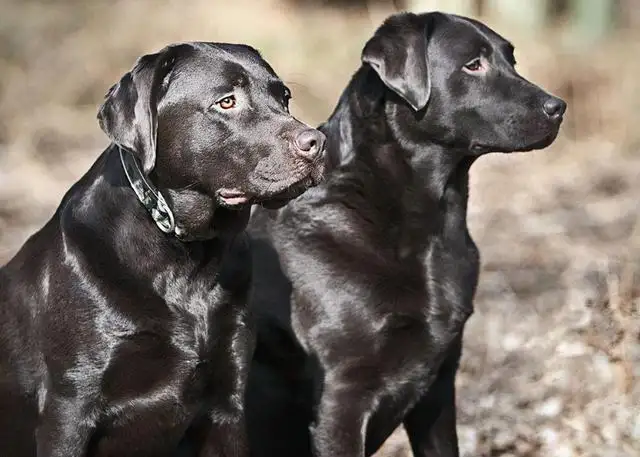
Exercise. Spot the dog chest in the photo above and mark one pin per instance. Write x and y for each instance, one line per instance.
(451, 276)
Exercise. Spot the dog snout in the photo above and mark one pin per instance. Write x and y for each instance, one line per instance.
(554, 107)
(310, 144)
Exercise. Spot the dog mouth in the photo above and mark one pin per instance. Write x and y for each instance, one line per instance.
(545, 141)
(292, 189)
(540, 144)
(279, 199)
(237, 199)
(232, 197)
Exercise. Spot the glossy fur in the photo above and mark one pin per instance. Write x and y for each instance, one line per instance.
(115, 338)
(377, 261)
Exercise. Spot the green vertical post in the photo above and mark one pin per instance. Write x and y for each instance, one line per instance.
(525, 13)
(592, 20)
(462, 7)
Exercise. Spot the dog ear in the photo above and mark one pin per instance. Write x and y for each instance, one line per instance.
(398, 53)
(129, 113)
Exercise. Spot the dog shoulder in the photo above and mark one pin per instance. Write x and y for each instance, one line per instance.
(316, 214)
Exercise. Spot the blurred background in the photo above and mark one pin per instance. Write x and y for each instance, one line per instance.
(552, 358)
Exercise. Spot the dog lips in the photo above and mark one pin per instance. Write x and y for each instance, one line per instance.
(232, 197)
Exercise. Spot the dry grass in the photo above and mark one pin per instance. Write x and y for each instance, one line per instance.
(552, 354)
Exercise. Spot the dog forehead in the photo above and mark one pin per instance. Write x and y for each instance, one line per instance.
(463, 37)
(215, 64)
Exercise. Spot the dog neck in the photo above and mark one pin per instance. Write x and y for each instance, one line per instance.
(150, 197)
(359, 132)
(413, 191)
(102, 224)
(186, 214)
(104, 205)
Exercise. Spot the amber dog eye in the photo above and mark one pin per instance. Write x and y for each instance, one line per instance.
(227, 102)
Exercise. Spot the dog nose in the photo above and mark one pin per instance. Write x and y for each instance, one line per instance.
(554, 107)
(310, 143)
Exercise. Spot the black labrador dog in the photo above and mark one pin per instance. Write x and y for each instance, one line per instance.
(377, 261)
(123, 321)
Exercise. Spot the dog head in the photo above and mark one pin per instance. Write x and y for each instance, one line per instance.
(455, 83)
(213, 118)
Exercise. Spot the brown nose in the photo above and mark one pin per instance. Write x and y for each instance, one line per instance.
(310, 144)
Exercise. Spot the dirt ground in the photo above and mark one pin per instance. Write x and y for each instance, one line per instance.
(552, 355)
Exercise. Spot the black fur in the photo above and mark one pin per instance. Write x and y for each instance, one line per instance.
(117, 339)
(377, 262)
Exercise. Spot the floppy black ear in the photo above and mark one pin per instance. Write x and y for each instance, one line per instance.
(129, 113)
(398, 53)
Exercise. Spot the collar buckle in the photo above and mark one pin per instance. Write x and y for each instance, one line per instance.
(150, 197)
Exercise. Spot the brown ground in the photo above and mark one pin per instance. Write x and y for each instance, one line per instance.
(552, 357)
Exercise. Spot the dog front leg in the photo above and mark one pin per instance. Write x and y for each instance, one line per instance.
(340, 429)
(431, 423)
(65, 427)
(223, 431)
(223, 437)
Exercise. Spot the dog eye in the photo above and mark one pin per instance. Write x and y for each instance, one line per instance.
(228, 102)
(475, 65)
